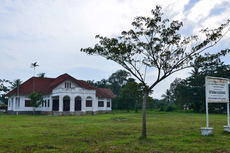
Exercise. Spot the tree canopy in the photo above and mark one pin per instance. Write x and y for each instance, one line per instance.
(191, 91)
(36, 100)
(41, 75)
(154, 42)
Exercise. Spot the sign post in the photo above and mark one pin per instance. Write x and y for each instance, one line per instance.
(216, 92)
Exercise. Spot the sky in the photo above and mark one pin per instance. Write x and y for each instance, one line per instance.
(52, 32)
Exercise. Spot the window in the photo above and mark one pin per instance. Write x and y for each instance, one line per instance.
(88, 103)
(27, 103)
(48, 103)
(45, 103)
(67, 85)
(42, 104)
(100, 103)
(108, 104)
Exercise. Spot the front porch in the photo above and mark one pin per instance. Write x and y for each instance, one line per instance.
(71, 105)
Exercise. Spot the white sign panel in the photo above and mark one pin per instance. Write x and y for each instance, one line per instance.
(216, 90)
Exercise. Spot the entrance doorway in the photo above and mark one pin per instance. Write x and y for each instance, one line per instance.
(78, 104)
(55, 105)
(66, 103)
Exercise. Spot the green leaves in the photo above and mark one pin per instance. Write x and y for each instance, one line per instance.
(3, 87)
(155, 42)
(36, 99)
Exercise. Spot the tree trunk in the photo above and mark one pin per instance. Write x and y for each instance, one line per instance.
(144, 115)
(197, 107)
(34, 112)
(136, 107)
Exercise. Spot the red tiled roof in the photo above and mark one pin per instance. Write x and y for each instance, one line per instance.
(46, 85)
(26, 88)
(104, 92)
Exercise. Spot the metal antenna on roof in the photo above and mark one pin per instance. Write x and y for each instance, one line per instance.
(34, 65)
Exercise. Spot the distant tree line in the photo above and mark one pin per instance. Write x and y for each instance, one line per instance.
(190, 92)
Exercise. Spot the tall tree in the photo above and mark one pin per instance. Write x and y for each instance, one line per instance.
(34, 65)
(131, 94)
(4, 89)
(155, 43)
(192, 89)
(36, 100)
(16, 83)
(167, 96)
(103, 83)
(117, 80)
(41, 75)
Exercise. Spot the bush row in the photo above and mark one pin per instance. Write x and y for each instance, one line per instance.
(169, 108)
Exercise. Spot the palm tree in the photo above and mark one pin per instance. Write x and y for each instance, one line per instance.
(167, 96)
(195, 72)
(34, 65)
(41, 75)
(15, 83)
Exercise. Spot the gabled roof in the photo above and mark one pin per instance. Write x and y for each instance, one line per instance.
(26, 88)
(104, 92)
(46, 85)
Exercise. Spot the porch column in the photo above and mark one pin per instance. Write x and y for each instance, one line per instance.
(60, 103)
(95, 103)
(51, 103)
(14, 104)
(72, 104)
(83, 103)
(11, 103)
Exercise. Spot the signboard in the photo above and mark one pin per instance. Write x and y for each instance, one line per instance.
(217, 90)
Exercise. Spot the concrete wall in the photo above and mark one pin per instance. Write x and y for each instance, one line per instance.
(56, 113)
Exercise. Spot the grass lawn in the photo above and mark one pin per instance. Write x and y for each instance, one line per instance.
(166, 132)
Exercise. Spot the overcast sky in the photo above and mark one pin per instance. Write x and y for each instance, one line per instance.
(52, 32)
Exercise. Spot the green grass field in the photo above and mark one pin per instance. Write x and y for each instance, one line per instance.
(166, 132)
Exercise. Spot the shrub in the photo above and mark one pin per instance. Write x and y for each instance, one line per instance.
(161, 108)
(170, 108)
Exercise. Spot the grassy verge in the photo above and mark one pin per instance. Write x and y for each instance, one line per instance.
(118, 132)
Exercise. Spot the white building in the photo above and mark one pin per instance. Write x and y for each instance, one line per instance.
(63, 95)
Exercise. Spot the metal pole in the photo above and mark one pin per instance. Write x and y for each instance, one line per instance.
(206, 99)
(207, 113)
(228, 112)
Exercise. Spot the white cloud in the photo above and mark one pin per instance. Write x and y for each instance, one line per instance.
(53, 32)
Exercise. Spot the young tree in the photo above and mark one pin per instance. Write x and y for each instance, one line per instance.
(36, 100)
(155, 43)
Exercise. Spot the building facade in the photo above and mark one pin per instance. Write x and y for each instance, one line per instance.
(63, 95)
